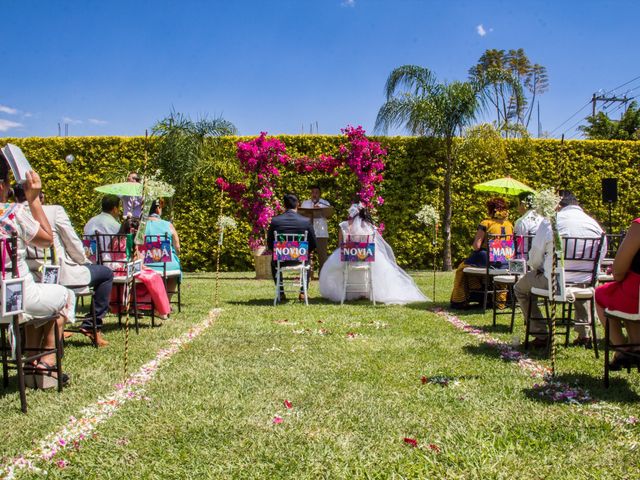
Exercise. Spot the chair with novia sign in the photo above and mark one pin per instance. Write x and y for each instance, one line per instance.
(291, 254)
(358, 254)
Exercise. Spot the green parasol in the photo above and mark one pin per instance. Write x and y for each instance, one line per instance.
(506, 186)
(132, 189)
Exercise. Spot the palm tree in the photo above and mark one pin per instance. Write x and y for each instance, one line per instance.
(184, 145)
(417, 102)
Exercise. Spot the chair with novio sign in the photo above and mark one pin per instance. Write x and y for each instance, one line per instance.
(358, 254)
(291, 255)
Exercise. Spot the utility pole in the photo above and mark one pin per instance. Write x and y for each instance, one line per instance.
(601, 98)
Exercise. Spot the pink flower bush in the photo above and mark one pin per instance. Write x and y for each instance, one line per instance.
(365, 158)
(260, 160)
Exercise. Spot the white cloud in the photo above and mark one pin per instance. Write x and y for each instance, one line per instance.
(71, 121)
(348, 3)
(8, 110)
(97, 121)
(8, 125)
(480, 30)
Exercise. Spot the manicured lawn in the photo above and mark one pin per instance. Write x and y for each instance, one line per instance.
(353, 377)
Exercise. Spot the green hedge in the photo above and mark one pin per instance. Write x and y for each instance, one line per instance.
(413, 177)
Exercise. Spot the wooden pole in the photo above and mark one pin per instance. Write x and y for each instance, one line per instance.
(218, 252)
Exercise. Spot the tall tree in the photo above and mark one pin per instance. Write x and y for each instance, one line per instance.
(601, 127)
(416, 101)
(184, 145)
(515, 84)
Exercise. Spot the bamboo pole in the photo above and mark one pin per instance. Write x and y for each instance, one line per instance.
(219, 251)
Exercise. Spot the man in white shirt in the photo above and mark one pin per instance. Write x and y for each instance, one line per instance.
(529, 220)
(106, 222)
(319, 224)
(571, 222)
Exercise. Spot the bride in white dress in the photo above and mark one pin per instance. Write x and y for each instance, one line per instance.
(391, 284)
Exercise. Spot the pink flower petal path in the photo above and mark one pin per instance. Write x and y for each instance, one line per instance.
(79, 429)
(551, 389)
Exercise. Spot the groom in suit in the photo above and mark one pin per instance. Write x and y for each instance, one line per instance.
(290, 222)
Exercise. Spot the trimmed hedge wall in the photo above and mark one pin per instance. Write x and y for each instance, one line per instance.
(413, 177)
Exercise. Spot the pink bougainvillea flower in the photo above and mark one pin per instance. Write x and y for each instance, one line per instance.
(288, 404)
(434, 448)
(277, 420)
(62, 463)
(411, 441)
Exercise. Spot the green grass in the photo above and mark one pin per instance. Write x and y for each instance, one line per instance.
(354, 400)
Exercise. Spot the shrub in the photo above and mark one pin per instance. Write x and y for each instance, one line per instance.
(413, 176)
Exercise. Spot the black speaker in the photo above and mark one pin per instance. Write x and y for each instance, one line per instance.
(609, 190)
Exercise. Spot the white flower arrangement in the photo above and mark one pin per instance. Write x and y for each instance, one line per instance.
(428, 215)
(155, 189)
(546, 203)
(225, 221)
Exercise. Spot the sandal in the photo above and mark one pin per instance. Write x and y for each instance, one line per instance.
(45, 377)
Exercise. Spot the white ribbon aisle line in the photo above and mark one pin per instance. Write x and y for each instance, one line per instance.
(552, 389)
(79, 429)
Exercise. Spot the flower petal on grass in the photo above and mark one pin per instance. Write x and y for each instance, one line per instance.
(277, 420)
(288, 404)
(411, 441)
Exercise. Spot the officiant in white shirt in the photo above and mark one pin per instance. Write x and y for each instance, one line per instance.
(319, 224)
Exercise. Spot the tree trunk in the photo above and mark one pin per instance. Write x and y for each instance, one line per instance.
(446, 223)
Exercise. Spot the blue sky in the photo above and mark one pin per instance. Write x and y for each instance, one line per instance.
(115, 67)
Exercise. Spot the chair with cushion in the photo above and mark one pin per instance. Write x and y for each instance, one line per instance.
(358, 254)
(499, 249)
(517, 268)
(116, 252)
(584, 254)
(614, 240)
(14, 354)
(38, 258)
(623, 317)
(291, 255)
(164, 243)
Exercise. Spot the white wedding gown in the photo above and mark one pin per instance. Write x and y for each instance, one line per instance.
(391, 284)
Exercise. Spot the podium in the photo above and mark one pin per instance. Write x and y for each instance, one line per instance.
(324, 212)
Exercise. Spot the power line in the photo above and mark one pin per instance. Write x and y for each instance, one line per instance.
(581, 108)
(590, 101)
(625, 83)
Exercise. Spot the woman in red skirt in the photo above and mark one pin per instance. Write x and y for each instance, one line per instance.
(622, 294)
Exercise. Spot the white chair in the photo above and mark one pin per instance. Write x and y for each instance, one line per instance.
(517, 268)
(291, 254)
(357, 254)
(623, 317)
(584, 254)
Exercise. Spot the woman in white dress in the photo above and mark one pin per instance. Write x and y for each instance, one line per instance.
(40, 300)
(391, 284)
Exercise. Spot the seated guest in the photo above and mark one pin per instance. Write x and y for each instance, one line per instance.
(107, 222)
(156, 226)
(151, 288)
(622, 294)
(290, 222)
(40, 300)
(529, 220)
(571, 222)
(132, 206)
(75, 269)
(496, 224)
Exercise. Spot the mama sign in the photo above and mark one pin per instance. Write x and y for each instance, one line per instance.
(286, 251)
